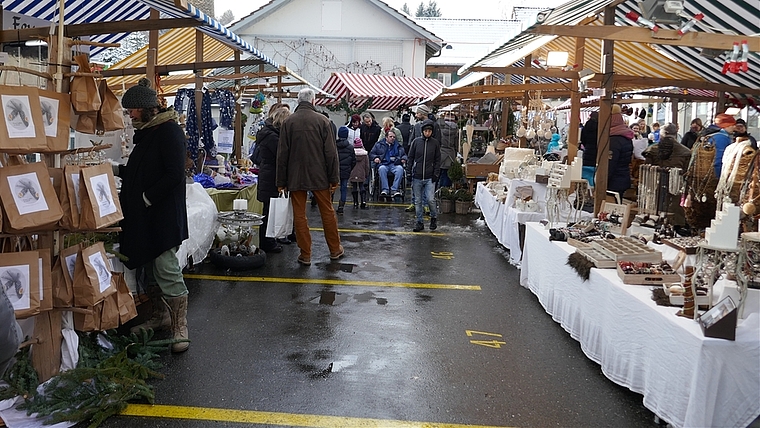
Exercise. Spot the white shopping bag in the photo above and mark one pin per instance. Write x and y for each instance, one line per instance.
(280, 220)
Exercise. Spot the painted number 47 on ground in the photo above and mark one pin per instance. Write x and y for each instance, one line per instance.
(489, 343)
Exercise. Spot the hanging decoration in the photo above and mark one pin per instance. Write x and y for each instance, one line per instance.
(258, 103)
(345, 106)
(208, 124)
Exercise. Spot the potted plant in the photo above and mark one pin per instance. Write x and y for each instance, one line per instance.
(463, 200)
(456, 173)
(447, 200)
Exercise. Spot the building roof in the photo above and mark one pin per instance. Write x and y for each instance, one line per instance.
(467, 39)
(432, 41)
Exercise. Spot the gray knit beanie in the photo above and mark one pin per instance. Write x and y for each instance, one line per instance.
(140, 96)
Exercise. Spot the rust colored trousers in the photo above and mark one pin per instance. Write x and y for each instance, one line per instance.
(301, 225)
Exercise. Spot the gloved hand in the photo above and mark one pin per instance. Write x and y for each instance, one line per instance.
(333, 186)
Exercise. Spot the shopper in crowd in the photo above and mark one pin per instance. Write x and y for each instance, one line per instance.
(354, 128)
(644, 128)
(654, 137)
(10, 332)
(370, 131)
(668, 152)
(692, 135)
(389, 125)
(153, 202)
(722, 138)
(406, 128)
(449, 138)
(307, 160)
(389, 158)
(421, 114)
(588, 143)
(424, 166)
(621, 152)
(267, 140)
(740, 130)
(347, 160)
(360, 174)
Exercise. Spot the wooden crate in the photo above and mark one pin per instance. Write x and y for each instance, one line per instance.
(479, 170)
(647, 279)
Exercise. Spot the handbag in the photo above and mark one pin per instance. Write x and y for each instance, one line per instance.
(280, 217)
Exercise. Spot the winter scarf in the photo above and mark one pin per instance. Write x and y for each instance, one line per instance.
(161, 117)
(618, 127)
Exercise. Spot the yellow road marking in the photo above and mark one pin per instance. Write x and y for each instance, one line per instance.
(381, 232)
(334, 282)
(276, 418)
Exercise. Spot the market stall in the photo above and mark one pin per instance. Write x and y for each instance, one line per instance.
(686, 379)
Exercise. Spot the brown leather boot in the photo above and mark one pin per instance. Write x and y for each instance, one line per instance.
(178, 306)
(160, 319)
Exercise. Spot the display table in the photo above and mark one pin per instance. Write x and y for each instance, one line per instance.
(223, 198)
(685, 378)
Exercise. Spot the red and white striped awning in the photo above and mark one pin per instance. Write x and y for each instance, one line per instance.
(387, 92)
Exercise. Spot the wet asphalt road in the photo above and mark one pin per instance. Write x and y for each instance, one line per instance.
(310, 341)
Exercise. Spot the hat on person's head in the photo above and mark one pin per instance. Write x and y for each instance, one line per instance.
(724, 120)
(342, 132)
(423, 109)
(355, 118)
(670, 129)
(358, 142)
(741, 121)
(427, 124)
(140, 96)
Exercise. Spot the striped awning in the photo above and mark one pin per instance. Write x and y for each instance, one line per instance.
(90, 11)
(387, 92)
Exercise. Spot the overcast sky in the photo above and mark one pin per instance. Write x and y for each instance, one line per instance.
(449, 8)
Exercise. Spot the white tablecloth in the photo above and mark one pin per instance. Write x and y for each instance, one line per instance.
(685, 378)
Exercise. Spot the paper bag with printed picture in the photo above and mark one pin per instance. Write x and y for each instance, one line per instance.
(100, 205)
(92, 276)
(109, 315)
(28, 198)
(63, 292)
(19, 277)
(21, 125)
(70, 199)
(56, 119)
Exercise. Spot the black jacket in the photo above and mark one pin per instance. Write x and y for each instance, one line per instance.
(266, 140)
(619, 173)
(424, 159)
(369, 135)
(156, 167)
(689, 138)
(406, 129)
(588, 139)
(347, 158)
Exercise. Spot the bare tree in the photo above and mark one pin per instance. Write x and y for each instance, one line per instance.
(226, 18)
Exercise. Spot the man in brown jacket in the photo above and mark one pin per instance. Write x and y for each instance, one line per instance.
(307, 160)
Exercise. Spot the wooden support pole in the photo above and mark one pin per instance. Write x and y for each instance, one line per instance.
(199, 84)
(605, 110)
(674, 111)
(238, 126)
(525, 100)
(575, 102)
(506, 110)
(152, 54)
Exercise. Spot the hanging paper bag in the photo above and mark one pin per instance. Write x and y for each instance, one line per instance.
(92, 276)
(90, 320)
(56, 119)
(21, 127)
(19, 276)
(100, 205)
(63, 277)
(109, 315)
(70, 199)
(56, 178)
(87, 123)
(46, 279)
(110, 116)
(280, 222)
(84, 89)
(127, 308)
(28, 198)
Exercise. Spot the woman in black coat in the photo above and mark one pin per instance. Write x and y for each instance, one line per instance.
(266, 157)
(347, 159)
(621, 152)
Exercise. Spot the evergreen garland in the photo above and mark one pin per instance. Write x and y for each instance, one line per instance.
(344, 105)
(101, 385)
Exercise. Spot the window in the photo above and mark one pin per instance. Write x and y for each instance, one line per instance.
(444, 78)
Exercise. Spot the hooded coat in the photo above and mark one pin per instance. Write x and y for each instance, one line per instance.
(346, 157)
(424, 157)
(267, 140)
(588, 139)
(449, 136)
(156, 169)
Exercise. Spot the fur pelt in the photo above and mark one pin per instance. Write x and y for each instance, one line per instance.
(580, 264)
(660, 297)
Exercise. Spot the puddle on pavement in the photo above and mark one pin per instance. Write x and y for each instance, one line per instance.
(369, 296)
(336, 267)
(420, 298)
(330, 298)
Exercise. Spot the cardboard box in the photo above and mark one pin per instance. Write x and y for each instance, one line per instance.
(479, 170)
